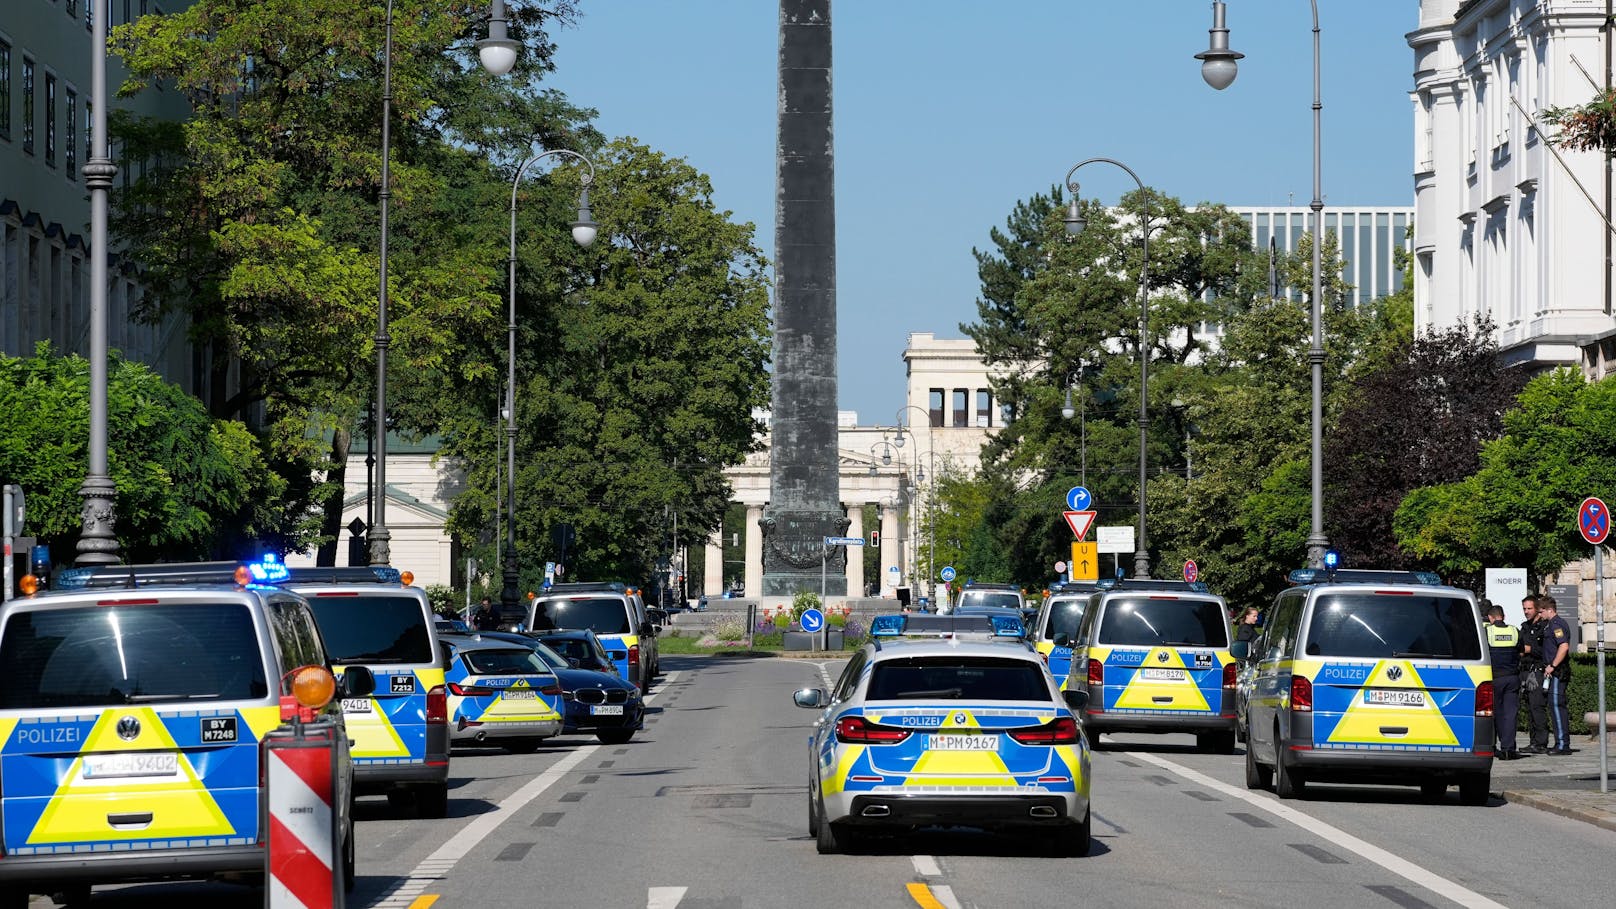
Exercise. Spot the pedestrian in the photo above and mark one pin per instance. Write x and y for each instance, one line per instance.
(1248, 630)
(1503, 648)
(484, 618)
(1556, 673)
(1537, 715)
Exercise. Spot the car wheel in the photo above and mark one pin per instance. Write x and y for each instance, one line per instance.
(833, 839)
(1258, 776)
(615, 736)
(1074, 840)
(432, 801)
(1475, 788)
(401, 799)
(349, 864)
(72, 896)
(521, 746)
(1288, 783)
(813, 815)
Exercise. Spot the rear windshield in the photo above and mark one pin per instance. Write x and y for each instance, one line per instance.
(574, 649)
(1382, 626)
(961, 678)
(102, 656)
(372, 628)
(602, 615)
(1064, 616)
(1003, 598)
(550, 657)
(1153, 621)
(516, 661)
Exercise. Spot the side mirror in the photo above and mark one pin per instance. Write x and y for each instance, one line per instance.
(812, 698)
(656, 629)
(1076, 698)
(1063, 640)
(645, 629)
(357, 682)
(1240, 650)
(573, 662)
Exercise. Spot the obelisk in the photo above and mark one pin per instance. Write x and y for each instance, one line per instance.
(804, 495)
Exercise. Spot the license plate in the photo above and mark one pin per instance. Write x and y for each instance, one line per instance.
(607, 710)
(105, 766)
(946, 742)
(521, 694)
(1397, 697)
(1151, 673)
(356, 705)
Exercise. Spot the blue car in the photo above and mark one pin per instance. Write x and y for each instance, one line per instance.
(601, 703)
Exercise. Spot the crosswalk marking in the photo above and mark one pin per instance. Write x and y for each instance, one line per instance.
(664, 897)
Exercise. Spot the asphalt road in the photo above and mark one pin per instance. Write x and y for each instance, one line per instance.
(708, 808)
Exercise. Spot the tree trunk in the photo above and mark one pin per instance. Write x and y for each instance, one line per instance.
(337, 476)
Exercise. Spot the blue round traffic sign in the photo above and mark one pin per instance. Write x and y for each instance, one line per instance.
(1078, 498)
(947, 574)
(812, 620)
(1593, 520)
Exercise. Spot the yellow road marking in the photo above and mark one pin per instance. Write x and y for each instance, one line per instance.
(921, 894)
(423, 901)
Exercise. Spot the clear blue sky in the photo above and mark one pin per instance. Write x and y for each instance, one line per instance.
(949, 111)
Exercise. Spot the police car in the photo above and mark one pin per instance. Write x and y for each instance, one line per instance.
(500, 693)
(613, 611)
(949, 728)
(1054, 630)
(1371, 677)
(135, 698)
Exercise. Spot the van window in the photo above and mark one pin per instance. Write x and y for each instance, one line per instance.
(955, 678)
(1384, 626)
(372, 628)
(1148, 622)
(1064, 617)
(1280, 635)
(102, 656)
(602, 615)
(1001, 598)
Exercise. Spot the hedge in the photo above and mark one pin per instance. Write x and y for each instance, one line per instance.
(1583, 694)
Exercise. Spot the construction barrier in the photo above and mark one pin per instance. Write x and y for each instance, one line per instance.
(302, 823)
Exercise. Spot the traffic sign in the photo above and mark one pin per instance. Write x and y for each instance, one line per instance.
(844, 541)
(1080, 521)
(1593, 520)
(1191, 571)
(1085, 562)
(812, 620)
(1078, 498)
(1060, 567)
(947, 574)
(1115, 539)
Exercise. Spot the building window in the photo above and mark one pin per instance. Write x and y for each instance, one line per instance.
(71, 7)
(50, 120)
(27, 105)
(936, 407)
(5, 90)
(89, 128)
(961, 408)
(70, 146)
(984, 407)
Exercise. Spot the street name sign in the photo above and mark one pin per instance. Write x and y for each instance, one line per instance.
(1115, 539)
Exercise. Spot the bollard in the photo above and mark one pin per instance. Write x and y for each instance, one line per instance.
(301, 822)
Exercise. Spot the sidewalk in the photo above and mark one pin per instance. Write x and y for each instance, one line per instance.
(1567, 786)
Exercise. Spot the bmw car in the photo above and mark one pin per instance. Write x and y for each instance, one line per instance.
(598, 703)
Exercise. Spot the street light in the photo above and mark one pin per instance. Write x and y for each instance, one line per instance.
(1075, 222)
(931, 509)
(583, 233)
(1081, 412)
(1218, 62)
(1317, 542)
(98, 541)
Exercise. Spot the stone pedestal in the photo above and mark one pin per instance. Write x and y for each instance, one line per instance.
(793, 547)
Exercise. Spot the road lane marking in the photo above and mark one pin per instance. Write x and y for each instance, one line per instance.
(664, 897)
(1400, 867)
(926, 866)
(424, 900)
(436, 866)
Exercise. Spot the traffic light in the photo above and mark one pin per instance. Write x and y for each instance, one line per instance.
(875, 539)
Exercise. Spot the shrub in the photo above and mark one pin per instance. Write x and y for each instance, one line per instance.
(802, 602)
(854, 633)
(444, 600)
(730, 630)
(782, 622)
(837, 620)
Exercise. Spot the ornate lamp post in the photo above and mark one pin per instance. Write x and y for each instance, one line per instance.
(931, 511)
(98, 541)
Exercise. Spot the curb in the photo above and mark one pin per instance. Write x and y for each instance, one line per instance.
(1593, 816)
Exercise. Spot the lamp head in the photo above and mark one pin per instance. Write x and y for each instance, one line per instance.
(498, 52)
(584, 229)
(1075, 222)
(1218, 66)
(1067, 410)
(886, 457)
(899, 440)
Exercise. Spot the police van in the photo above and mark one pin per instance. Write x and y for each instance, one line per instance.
(1371, 677)
(1054, 631)
(373, 617)
(134, 701)
(612, 611)
(1154, 657)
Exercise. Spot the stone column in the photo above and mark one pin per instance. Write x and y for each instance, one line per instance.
(855, 554)
(754, 551)
(712, 578)
(890, 544)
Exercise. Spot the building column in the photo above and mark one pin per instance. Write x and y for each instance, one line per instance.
(855, 554)
(890, 544)
(712, 578)
(754, 551)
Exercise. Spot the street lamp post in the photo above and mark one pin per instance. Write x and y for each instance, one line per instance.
(931, 509)
(898, 432)
(1218, 68)
(1075, 222)
(98, 541)
(583, 233)
(1081, 412)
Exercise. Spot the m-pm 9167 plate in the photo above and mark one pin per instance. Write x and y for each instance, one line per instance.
(954, 742)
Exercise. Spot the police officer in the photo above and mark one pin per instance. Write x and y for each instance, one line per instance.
(1503, 646)
(1556, 673)
(1531, 679)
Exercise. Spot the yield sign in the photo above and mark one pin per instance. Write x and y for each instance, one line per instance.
(1080, 521)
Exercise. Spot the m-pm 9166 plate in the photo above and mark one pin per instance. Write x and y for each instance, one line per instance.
(955, 742)
(1397, 697)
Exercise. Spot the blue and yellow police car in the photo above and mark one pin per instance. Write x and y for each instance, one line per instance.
(613, 611)
(1054, 630)
(500, 693)
(1371, 677)
(929, 727)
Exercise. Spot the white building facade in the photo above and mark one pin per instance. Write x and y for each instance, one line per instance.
(1501, 228)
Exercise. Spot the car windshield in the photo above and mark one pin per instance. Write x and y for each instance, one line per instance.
(1149, 621)
(1064, 616)
(550, 657)
(602, 615)
(514, 661)
(957, 678)
(1001, 598)
(575, 649)
(101, 656)
(1388, 626)
(372, 628)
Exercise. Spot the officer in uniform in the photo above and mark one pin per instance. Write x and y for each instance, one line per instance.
(1556, 673)
(1531, 680)
(1503, 646)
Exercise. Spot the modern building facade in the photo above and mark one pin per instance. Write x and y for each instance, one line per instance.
(1507, 226)
(1369, 236)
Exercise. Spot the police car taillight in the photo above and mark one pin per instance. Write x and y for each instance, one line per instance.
(858, 731)
(1096, 672)
(1484, 699)
(634, 655)
(1230, 671)
(469, 691)
(1301, 693)
(437, 706)
(1059, 731)
(552, 689)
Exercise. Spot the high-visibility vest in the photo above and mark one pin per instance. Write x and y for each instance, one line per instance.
(1503, 637)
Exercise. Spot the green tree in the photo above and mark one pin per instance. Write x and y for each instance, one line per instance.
(955, 528)
(189, 486)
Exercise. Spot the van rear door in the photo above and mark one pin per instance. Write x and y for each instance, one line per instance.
(1162, 653)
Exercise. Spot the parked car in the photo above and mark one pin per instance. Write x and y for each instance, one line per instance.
(500, 693)
(580, 648)
(452, 626)
(596, 702)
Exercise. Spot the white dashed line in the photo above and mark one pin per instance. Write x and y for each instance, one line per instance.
(926, 866)
(945, 895)
(664, 897)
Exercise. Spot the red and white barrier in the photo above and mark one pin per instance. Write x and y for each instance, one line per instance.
(301, 820)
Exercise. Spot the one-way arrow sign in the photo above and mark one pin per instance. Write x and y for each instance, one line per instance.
(1080, 522)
